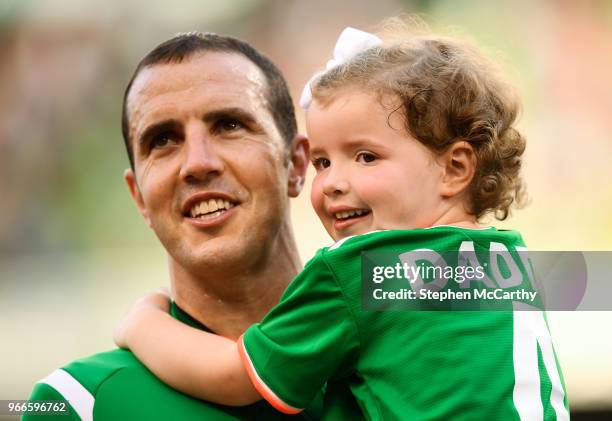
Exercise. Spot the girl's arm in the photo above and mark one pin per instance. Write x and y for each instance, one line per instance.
(198, 363)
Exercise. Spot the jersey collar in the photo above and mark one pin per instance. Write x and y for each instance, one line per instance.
(182, 316)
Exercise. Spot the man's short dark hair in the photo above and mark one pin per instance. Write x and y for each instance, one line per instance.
(183, 46)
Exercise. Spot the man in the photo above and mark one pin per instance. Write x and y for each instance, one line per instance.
(211, 135)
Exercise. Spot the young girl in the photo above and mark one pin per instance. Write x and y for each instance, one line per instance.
(412, 143)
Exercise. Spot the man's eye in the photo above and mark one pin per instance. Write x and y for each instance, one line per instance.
(321, 163)
(366, 157)
(229, 125)
(161, 140)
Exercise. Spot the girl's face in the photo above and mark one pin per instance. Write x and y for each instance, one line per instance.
(370, 173)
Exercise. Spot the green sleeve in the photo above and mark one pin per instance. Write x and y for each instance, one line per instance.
(308, 338)
(44, 392)
(340, 404)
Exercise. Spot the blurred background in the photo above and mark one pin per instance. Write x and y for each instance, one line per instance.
(73, 250)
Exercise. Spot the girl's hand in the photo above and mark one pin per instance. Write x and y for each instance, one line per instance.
(135, 318)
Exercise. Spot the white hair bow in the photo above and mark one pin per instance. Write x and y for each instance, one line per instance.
(350, 43)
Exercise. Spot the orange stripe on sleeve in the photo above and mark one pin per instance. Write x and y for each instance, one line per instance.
(260, 386)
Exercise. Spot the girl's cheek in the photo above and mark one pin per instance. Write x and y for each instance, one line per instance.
(315, 193)
(316, 196)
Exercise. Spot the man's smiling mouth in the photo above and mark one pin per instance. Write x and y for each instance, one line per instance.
(210, 208)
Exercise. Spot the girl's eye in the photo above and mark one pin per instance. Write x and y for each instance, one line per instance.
(366, 157)
(321, 163)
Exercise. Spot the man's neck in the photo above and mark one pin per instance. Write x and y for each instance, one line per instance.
(228, 302)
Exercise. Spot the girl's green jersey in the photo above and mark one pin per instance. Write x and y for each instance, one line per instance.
(412, 365)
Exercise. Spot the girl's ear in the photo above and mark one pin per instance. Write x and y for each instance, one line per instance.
(459, 167)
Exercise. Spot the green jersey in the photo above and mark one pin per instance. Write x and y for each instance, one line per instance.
(421, 365)
(114, 385)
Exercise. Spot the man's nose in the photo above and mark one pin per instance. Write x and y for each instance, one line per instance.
(201, 160)
(335, 183)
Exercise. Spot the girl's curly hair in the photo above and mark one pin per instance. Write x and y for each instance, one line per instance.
(448, 92)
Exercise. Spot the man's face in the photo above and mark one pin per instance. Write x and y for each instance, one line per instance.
(211, 169)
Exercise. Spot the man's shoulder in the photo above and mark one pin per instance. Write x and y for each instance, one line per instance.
(79, 381)
(115, 385)
(93, 371)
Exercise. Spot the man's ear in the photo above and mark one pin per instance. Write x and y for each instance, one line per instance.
(459, 164)
(298, 164)
(130, 180)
